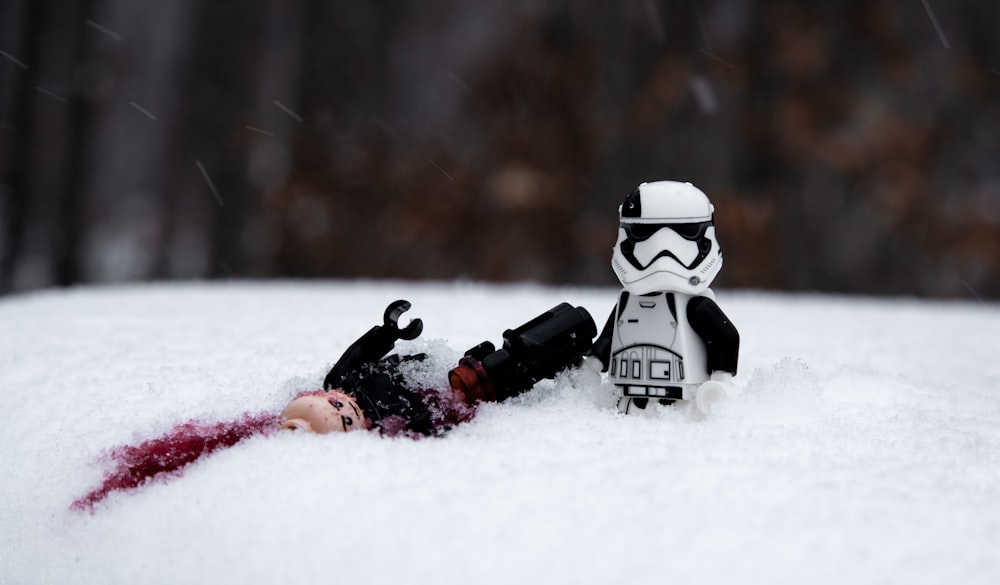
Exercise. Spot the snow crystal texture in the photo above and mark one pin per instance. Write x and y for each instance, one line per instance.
(863, 446)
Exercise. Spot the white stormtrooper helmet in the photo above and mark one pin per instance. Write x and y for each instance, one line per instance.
(666, 240)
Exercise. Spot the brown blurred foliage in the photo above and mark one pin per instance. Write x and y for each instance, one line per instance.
(847, 145)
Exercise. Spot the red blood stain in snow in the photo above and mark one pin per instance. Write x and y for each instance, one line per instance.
(182, 445)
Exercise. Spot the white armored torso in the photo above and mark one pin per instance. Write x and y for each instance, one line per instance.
(654, 351)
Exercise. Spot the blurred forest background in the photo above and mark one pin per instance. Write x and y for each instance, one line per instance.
(848, 145)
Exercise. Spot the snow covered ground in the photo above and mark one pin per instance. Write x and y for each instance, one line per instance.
(863, 447)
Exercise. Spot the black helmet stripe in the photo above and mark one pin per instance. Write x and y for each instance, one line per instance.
(632, 207)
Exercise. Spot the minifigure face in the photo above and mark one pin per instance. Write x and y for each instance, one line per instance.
(686, 244)
(666, 240)
(323, 412)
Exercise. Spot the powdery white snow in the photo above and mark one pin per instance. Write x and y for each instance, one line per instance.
(863, 447)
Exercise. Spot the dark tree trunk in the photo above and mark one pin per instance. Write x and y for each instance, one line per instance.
(22, 24)
(69, 226)
(222, 77)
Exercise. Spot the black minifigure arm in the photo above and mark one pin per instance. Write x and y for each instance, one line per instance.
(368, 349)
(372, 346)
(722, 340)
(602, 345)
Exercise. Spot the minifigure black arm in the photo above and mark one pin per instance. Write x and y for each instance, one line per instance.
(602, 345)
(722, 340)
(372, 346)
(368, 349)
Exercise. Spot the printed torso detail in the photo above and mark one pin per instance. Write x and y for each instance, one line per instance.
(650, 347)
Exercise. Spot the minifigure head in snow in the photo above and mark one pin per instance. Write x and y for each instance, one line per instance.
(666, 240)
(323, 412)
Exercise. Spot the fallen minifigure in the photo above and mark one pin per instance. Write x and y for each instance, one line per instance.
(367, 390)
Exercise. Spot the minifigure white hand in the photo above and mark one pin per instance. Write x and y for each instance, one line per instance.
(590, 371)
(709, 393)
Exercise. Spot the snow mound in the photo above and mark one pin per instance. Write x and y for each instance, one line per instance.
(863, 446)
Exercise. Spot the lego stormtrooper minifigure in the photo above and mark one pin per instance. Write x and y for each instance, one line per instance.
(667, 340)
